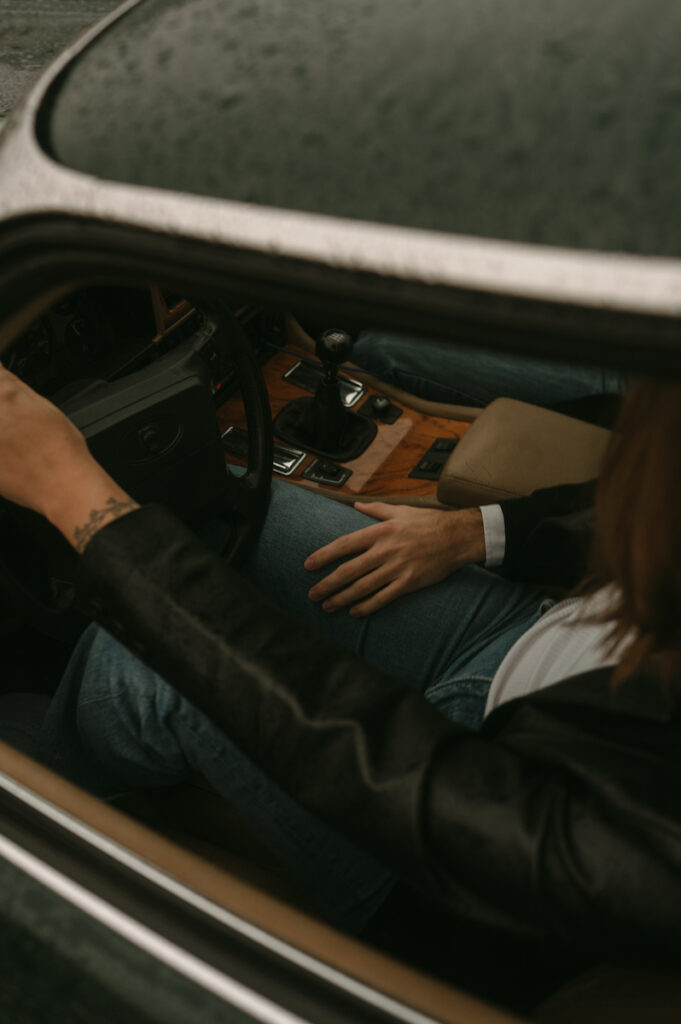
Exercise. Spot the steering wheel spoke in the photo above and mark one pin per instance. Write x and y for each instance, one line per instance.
(245, 509)
(246, 494)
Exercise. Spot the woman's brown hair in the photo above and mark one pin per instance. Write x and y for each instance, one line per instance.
(638, 526)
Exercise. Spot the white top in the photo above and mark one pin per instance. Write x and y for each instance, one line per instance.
(564, 642)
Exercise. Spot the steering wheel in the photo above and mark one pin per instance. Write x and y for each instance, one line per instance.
(247, 494)
(32, 548)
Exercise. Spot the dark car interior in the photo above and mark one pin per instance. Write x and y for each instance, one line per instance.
(166, 390)
(161, 388)
(354, 116)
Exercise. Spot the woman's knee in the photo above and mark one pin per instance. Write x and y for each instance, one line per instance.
(123, 713)
(108, 670)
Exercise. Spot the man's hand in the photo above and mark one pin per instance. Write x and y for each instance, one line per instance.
(46, 466)
(408, 549)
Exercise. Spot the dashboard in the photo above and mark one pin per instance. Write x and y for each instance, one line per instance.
(139, 373)
(98, 333)
(102, 334)
(79, 353)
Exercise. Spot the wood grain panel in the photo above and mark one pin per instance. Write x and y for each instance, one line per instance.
(383, 469)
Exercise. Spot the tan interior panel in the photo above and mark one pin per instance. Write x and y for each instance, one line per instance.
(514, 448)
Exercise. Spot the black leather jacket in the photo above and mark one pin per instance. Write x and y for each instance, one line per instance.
(559, 822)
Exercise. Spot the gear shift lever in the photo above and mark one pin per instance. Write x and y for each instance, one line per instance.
(327, 414)
(322, 424)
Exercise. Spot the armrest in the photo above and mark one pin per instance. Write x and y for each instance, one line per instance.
(513, 448)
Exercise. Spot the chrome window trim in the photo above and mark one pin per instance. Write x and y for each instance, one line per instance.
(148, 871)
(149, 941)
(35, 185)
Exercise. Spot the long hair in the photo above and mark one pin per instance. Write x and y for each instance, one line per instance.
(638, 527)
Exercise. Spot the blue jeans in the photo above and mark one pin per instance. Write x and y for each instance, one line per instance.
(441, 372)
(446, 641)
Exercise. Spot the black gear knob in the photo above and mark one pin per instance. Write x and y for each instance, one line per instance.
(334, 346)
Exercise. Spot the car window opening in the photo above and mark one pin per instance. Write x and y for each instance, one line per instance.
(161, 385)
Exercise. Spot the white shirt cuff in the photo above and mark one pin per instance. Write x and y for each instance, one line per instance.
(495, 535)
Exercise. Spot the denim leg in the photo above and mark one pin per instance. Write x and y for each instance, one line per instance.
(460, 693)
(146, 735)
(421, 637)
(470, 376)
(446, 641)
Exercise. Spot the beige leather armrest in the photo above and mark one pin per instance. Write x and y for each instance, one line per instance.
(513, 448)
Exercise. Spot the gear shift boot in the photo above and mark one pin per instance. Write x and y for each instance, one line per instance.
(322, 424)
(297, 424)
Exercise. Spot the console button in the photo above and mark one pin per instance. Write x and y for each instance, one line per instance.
(444, 444)
(329, 469)
(380, 404)
(327, 473)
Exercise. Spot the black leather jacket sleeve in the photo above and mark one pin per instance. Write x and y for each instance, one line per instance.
(550, 824)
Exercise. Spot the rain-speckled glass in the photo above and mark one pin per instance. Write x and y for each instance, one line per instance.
(549, 121)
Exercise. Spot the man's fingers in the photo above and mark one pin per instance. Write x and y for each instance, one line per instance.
(363, 587)
(376, 509)
(348, 544)
(378, 600)
(344, 575)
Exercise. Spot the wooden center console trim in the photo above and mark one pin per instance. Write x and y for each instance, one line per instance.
(384, 468)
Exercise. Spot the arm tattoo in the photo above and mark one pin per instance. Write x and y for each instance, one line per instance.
(113, 509)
